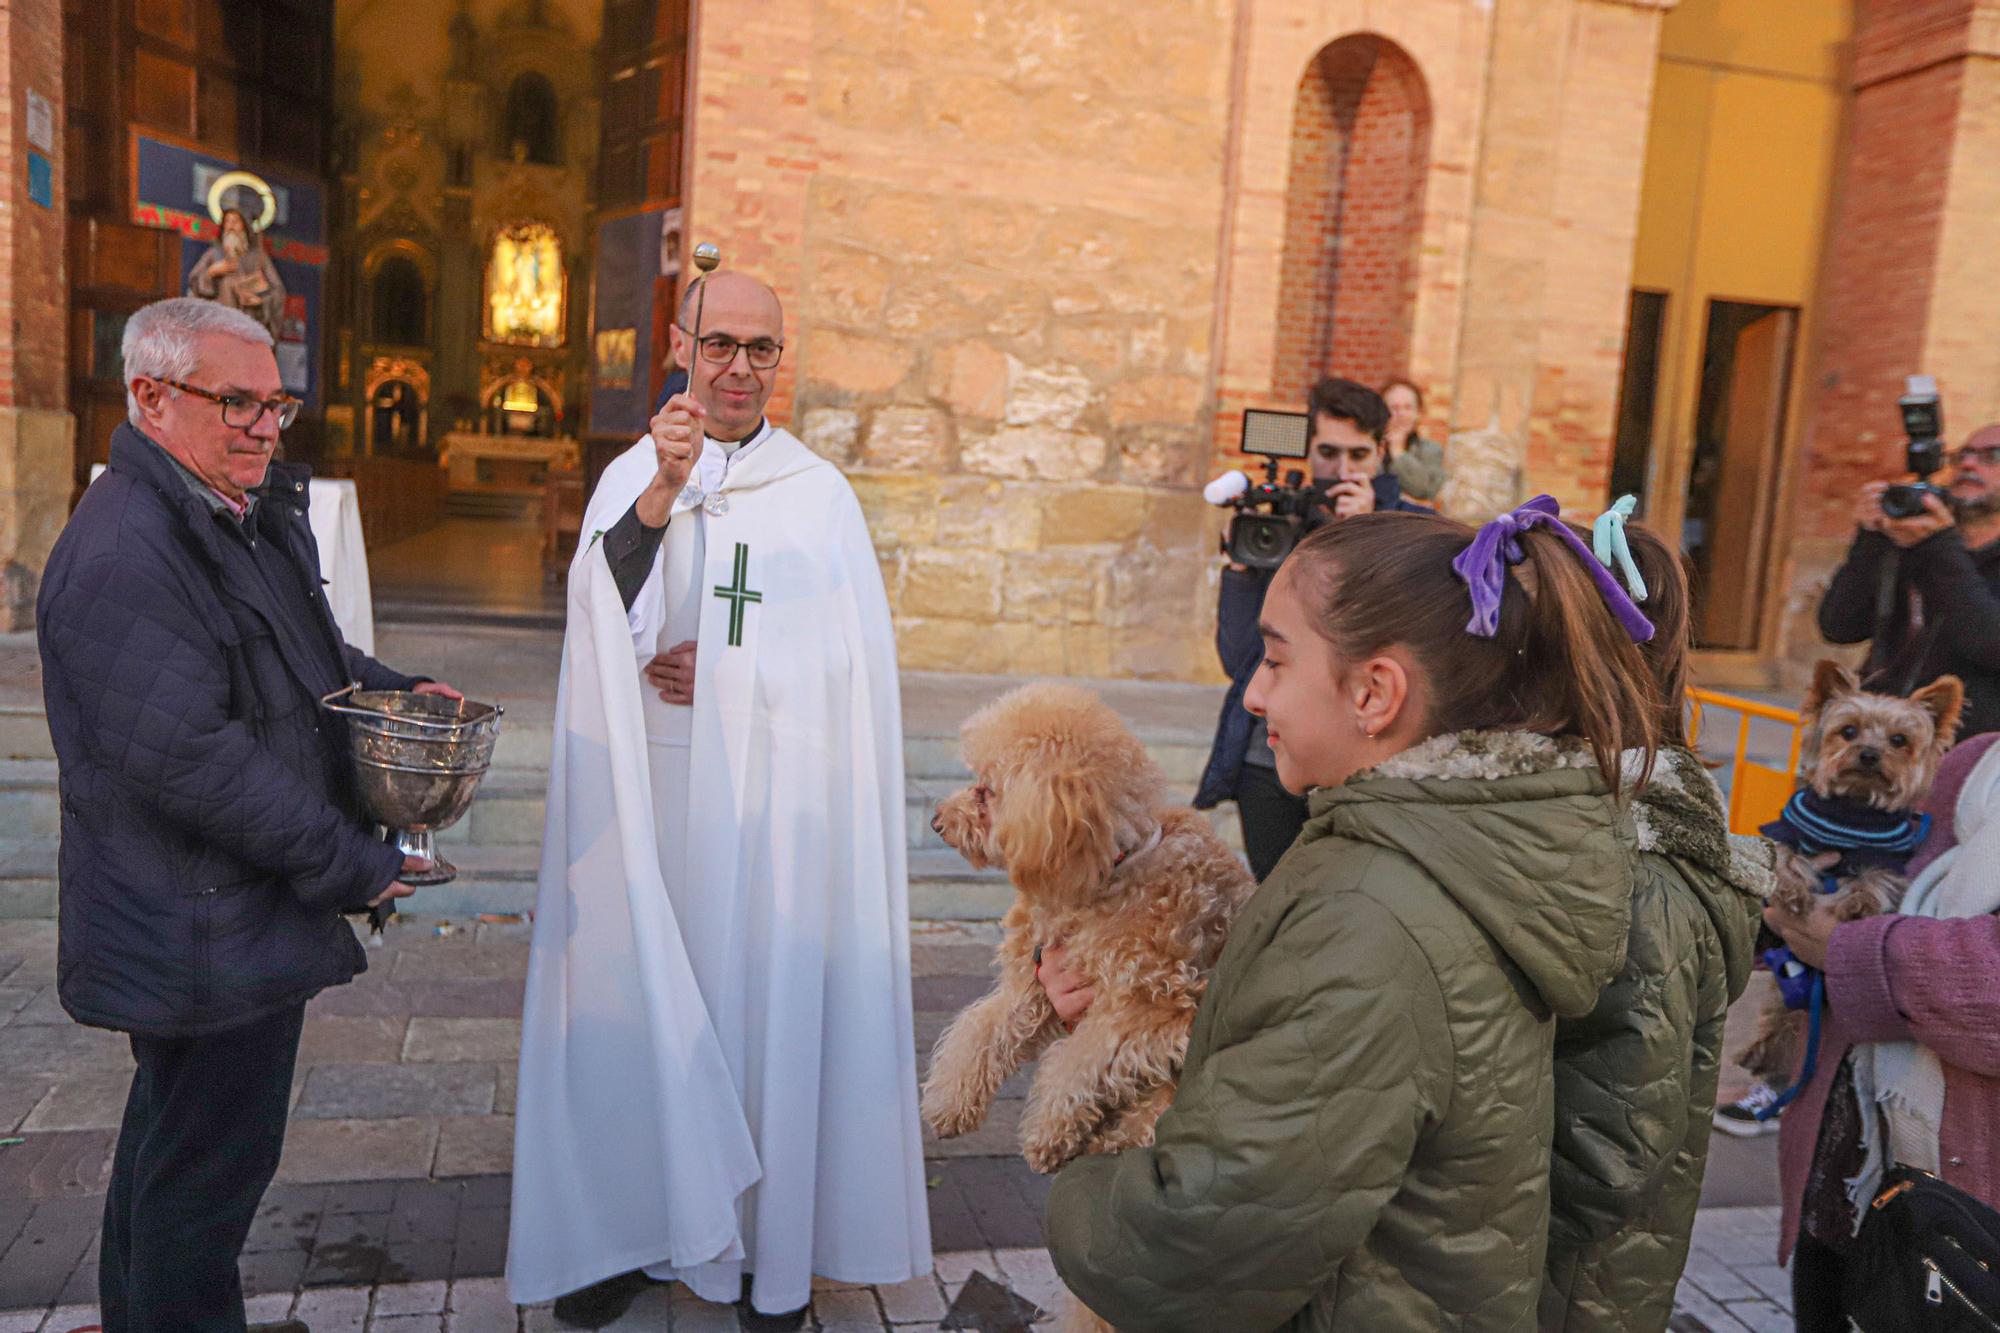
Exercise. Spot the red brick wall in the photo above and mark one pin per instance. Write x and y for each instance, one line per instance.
(1375, 283)
(34, 296)
(752, 151)
(1361, 129)
(1874, 293)
(1312, 209)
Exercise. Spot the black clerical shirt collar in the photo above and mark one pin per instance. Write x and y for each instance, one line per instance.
(734, 450)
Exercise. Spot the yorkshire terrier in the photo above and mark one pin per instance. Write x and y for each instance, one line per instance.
(1866, 760)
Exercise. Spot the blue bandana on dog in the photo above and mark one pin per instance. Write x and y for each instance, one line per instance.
(1866, 838)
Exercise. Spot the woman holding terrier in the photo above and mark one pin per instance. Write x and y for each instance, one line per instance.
(1916, 989)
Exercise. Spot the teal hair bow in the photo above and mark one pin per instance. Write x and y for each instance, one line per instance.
(1607, 539)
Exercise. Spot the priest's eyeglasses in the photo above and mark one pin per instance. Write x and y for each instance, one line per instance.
(721, 349)
(240, 412)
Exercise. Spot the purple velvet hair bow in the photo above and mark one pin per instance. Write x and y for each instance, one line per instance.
(1483, 566)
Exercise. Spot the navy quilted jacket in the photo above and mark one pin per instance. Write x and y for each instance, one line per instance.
(210, 838)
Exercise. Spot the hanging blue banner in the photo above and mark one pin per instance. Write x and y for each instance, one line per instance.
(636, 254)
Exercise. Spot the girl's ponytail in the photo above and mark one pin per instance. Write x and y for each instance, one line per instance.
(1543, 650)
(1668, 601)
(1595, 681)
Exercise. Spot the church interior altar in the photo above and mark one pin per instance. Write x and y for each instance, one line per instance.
(477, 461)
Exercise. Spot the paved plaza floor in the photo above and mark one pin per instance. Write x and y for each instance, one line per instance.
(390, 1208)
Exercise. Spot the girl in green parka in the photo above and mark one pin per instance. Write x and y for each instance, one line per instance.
(1360, 1139)
(1636, 1077)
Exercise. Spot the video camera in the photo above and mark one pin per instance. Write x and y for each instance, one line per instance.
(1923, 423)
(1271, 518)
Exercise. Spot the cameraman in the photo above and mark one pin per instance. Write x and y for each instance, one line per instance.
(1346, 456)
(1942, 574)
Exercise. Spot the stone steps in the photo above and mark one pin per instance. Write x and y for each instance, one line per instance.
(501, 879)
(496, 845)
(929, 756)
(499, 876)
(24, 734)
(28, 803)
(507, 505)
(508, 808)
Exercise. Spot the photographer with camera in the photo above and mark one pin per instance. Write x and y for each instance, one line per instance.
(1342, 433)
(1921, 583)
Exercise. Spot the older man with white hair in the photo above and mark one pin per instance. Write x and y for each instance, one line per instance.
(211, 840)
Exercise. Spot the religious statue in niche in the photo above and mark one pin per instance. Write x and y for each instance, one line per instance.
(524, 286)
(237, 270)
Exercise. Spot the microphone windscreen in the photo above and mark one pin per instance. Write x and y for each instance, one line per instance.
(1225, 488)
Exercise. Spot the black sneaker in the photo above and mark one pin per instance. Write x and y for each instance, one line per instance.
(281, 1326)
(597, 1305)
(754, 1322)
(1739, 1118)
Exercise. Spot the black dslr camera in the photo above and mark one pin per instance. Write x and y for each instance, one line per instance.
(1271, 519)
(1923, 423)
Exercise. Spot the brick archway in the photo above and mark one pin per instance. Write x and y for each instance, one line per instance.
(1360, 154)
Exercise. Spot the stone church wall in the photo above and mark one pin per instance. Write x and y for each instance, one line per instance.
(1034, 255)
(997, 230)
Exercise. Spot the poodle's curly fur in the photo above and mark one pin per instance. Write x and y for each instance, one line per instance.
(1139, 893)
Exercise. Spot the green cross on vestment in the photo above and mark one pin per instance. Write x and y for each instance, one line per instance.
(739, 594)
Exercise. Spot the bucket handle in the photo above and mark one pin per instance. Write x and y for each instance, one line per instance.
(401, 719)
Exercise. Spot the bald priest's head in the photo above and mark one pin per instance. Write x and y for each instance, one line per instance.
(735, 367)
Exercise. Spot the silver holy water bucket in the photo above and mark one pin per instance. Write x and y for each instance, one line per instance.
(417, 760)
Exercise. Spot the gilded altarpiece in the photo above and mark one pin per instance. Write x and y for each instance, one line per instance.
(468, 166)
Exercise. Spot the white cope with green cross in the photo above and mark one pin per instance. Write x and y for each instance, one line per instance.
(739, 594)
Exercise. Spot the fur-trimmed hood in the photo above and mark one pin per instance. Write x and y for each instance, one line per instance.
(1482, 755)
(1521, 831)
(1679, 813)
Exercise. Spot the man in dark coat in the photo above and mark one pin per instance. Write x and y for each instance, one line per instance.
(211, 839)
(1347, 459)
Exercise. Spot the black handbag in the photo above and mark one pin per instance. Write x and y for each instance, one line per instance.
(1927, 1260)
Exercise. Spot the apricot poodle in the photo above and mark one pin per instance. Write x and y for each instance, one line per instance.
(1139, 893)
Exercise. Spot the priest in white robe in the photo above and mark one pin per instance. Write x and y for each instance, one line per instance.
(718, 1071)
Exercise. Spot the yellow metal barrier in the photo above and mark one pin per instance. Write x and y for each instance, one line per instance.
(1757, 792)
